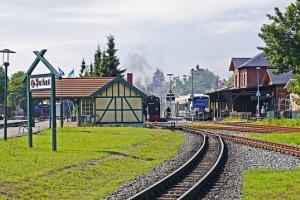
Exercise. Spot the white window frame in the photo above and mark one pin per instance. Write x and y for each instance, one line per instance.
(83, 104)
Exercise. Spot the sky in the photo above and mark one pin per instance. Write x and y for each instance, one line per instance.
(173, 35)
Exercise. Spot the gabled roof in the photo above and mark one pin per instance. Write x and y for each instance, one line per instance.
(75, 87)
(236, 62)
(120, 79)
(40, 57)
(257, 61)
(271, 78)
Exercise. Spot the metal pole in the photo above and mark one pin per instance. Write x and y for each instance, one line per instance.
(192, 94)
(6, 64)
(61, 113)
(29, 114)
(258, 110)
(53, 113)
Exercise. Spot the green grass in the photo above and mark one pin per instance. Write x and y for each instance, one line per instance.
(285, 138)
(280, 122)
(271, 184)
(231, 119)
(90, 162)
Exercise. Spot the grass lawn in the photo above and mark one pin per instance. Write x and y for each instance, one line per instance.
(285, 138)
(271, 184)
(280, 122)
(232, 119)
(90, 162)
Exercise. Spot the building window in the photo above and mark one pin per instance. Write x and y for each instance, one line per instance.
(87, 107)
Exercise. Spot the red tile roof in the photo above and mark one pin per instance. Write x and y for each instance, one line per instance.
(75, 87)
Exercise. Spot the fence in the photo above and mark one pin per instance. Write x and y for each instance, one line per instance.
(283, 114)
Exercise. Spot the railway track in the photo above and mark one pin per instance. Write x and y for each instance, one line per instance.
(282, 148)
(244, 127)
(263, 127)
(191, 180)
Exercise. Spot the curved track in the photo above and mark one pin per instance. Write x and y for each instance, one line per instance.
(273, 146)
(190, 180)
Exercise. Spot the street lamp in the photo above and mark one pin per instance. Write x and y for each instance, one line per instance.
(6, 64)
(192, 95)
(170, 75)
(258, 93)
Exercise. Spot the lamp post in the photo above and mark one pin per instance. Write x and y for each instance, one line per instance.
(258, 93)
(192, 95)
(6, 64)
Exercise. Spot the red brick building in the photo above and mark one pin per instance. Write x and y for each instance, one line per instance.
(249, 73)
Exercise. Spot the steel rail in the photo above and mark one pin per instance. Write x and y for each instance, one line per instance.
(194, 191)
(273, 146)
(150, 191)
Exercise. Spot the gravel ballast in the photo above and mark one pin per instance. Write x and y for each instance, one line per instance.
(191, 144)
(229, 185)
(240, 158)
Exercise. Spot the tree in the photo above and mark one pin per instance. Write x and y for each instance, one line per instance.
(97, 61)
(2, 76)
(230, 81)
(157, 85)
(82, 69)
(282, 39)
(91, 70)
(17, 91)
(112, 61)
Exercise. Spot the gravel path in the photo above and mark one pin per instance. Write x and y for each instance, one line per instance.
(136, 185)
(240, 158)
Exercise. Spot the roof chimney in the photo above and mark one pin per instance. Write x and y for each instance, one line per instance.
(129, 78)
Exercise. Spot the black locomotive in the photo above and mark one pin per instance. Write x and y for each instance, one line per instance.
(153, 108)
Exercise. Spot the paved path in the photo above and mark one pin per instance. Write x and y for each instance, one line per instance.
(14, 131)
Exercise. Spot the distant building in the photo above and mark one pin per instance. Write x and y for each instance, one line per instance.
(242, 96)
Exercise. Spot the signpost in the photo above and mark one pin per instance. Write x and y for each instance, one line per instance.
(41, 82)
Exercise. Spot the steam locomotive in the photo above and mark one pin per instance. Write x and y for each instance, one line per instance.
(152, 106)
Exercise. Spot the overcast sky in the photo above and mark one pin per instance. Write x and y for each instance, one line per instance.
(174, 35)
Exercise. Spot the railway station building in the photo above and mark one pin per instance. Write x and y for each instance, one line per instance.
(242, 97)
(99, 100)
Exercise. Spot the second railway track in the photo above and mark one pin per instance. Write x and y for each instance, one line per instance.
(190, 181)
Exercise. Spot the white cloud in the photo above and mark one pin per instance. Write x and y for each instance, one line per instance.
(176, 33)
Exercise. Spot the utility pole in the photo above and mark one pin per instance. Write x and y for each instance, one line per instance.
(258, 93)
(192, 95)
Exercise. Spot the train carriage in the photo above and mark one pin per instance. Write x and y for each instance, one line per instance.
(196, 108)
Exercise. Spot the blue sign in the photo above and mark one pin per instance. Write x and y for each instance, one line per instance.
(200, 102)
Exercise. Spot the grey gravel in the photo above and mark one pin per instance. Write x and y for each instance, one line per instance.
(229, 185)
(186, 151)
(241, 158)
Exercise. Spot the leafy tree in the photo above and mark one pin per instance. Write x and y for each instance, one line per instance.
(83, 68)
(282, 39)
(97, 61)
(2, 76)
(203, 81)
(17, 91)
(112, 61)
(230, 81)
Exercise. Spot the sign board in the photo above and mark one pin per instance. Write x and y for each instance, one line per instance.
(40, 82)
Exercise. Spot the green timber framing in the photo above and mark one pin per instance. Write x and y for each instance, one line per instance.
(116, 101)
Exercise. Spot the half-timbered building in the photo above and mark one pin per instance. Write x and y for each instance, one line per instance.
(101, 100)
